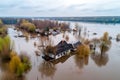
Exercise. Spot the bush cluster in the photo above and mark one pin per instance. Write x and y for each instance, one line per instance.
(19, 64)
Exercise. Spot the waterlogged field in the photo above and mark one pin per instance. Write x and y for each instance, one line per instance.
(93, 67)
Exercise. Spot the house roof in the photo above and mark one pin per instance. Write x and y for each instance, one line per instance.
(62, 47)
(61, 43)
(77, 44)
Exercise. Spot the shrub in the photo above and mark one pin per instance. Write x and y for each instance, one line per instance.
(83, 50)
(3, 30)
(12, 54)
(105, 37)
(48, 24)
(1, 22)
(20, 69)
(86, 41)
(5, 47)
(105, 44)
(25, 59)
(28, 26)
(31, 28)
(50, 49)
(19, 64)
(14, 64)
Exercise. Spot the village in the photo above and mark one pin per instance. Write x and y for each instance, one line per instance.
(53, 42)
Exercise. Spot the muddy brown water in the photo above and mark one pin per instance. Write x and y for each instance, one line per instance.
(93, 67)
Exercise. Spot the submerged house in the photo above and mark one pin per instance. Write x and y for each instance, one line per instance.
(62, 49)
(61, 59)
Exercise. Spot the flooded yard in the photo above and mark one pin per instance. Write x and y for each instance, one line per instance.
(93, 67)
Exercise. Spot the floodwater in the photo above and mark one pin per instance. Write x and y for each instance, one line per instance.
(93, 67)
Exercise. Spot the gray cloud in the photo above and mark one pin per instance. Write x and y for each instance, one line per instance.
(76, 6)
(8, 6)
(29, 7)
(59, 7)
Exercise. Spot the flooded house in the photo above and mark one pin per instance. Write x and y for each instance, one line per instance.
(62, 48)
(62, 59)
(54, 32)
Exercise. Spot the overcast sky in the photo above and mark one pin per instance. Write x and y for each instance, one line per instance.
(50, 8)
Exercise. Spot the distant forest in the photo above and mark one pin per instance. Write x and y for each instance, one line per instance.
(102, 19)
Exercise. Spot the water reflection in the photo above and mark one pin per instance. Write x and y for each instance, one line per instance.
(26, 34)
(81, 62)
(4, 66)
(27, 38)
(104, 49)
(9, 76)
(100, 60)
(47, 69)
(44, 40)
(61, 60)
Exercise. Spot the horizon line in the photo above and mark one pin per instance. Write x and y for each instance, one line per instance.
(51, 16)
